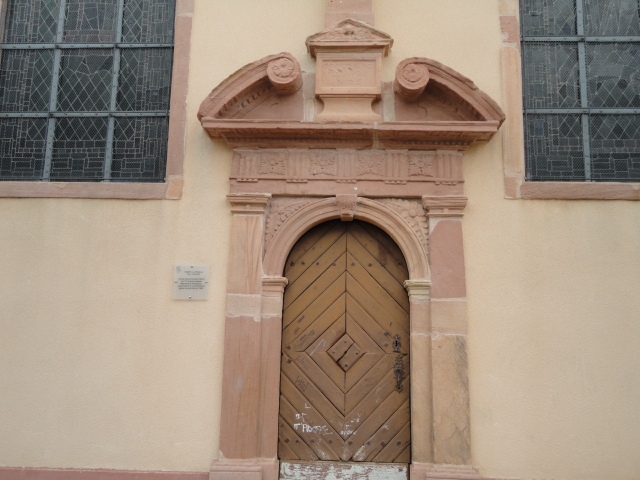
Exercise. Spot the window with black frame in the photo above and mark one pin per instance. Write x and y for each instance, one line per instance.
(581, 89)
(84, 89)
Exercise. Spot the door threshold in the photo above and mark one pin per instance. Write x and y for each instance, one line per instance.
(290, 470)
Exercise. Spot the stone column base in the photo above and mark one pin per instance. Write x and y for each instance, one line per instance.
(254, 469)
(429, 471)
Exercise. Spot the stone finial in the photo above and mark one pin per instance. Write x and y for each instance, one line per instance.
(338, 10)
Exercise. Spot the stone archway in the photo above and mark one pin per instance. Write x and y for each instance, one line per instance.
(253, 327)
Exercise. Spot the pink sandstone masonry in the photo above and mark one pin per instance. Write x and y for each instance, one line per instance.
(341, 143)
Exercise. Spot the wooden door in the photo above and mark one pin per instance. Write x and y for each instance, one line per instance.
(345, 349)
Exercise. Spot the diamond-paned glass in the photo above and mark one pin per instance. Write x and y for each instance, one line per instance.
(25, 80)
(90, 22)
(31, 21)
(85, 80)
(611, 17)
(84, 89)
(139, 149)
(553, 79)
(145, 81)
(615, 147)
(544, 18)
(613, 72)
(79, 149)
(581, 89)
(554, 145)
(22, 148)
(148, 22)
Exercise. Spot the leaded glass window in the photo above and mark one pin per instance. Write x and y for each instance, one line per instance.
(581, 88)
(84, 89)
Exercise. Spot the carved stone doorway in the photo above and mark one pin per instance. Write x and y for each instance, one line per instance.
(350, 147)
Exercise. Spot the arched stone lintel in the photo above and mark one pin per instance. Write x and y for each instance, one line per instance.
(367, 210)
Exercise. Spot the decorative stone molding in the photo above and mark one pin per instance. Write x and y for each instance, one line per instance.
(280, 210)
(348, 73)
(347, 206)
(352, 34)
(444, 206)
(239, 94)
(321, 172)
(326, 209)
(418, 288)
(274, 285)
(413, 213)
(272, 294)
(449, 113)
(247, 203)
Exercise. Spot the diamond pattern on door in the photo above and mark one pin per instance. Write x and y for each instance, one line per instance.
(345, 381)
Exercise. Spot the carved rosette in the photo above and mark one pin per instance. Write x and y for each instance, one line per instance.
(324, 163)
(279, 211)
(371, 164)
(272, 163)
(285, 75)
(421, 166)
(414, 214)
(412, 76)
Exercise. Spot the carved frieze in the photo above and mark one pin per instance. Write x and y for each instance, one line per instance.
(390, 167)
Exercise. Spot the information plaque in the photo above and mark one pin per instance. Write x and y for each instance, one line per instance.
(191, 282)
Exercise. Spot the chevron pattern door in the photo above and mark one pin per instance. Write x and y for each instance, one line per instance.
(345, 349)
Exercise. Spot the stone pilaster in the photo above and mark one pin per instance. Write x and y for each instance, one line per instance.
(272, 298)
(421, 368)
(245, 338)
(452, 444)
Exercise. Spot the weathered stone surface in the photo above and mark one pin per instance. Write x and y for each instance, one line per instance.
(450, 400)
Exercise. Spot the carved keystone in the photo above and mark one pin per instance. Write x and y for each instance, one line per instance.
(347, 206)
(412, 76)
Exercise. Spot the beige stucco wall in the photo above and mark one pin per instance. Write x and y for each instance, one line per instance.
(99, 368)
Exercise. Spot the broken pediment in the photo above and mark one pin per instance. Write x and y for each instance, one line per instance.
(274, 77)
(427, 90)
(346, 104)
